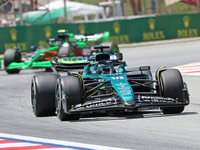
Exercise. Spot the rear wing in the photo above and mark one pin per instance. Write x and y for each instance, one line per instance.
(104, 36)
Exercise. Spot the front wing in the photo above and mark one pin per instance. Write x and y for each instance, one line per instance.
(114, 103)
(26, 65)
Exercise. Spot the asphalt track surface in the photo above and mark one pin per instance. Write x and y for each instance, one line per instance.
(143, 130)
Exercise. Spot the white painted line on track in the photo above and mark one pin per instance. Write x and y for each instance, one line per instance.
(51, 144)
(56, 149)
(17, 145)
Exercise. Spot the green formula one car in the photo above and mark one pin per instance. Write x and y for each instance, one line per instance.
(106, 86)
(67, 44)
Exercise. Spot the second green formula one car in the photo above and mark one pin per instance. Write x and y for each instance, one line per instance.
(67, 44)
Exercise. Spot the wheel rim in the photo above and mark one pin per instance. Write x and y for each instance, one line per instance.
(58, 102)
(161, 85)
(33, 97)
(115, 49)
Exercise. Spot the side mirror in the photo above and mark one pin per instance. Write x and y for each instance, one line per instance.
(91, 59)
(34, 48)
(52, 45)
(51, 40)
(63, 36)
(119, 56)
(54, 60)
(142, 68)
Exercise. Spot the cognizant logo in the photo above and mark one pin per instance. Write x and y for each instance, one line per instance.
(79, 59)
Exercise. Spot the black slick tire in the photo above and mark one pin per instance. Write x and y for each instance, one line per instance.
(43, 94)
(71, 88)
(172, 85)
(11, 55)
(113, 47)
(64, 51)
(48, 69)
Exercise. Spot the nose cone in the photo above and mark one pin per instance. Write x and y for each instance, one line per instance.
(123, 89)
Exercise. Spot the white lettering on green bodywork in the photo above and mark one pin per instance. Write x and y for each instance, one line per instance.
(73, 60)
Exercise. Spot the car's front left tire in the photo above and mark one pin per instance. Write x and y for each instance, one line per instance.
(70, 89)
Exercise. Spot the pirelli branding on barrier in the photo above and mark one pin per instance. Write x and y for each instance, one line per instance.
(121, 31)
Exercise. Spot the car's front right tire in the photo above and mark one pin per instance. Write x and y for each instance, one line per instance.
(172, 86)
(11, 55)
(113, 47)
(43, 94)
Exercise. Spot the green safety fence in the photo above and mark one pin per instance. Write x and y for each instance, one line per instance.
(121, 31)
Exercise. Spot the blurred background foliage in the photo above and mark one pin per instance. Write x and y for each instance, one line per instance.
(176, 8)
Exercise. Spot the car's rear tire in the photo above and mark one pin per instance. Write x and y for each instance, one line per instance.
(48, 69)
(43, 94)
(71, 88)
(172, 85)
(65, 51)
(113, 47)
(12, 55)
